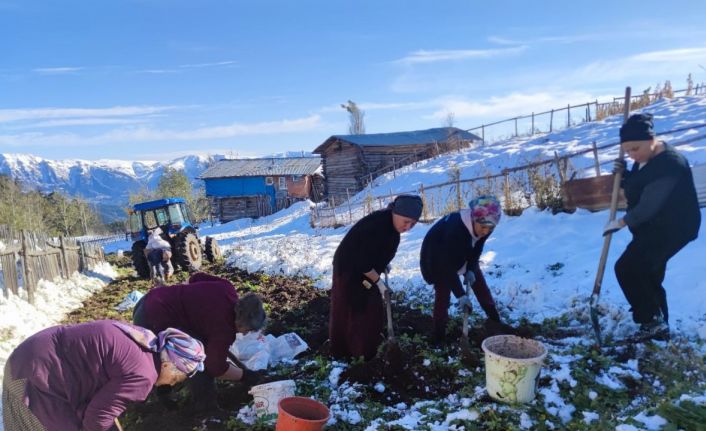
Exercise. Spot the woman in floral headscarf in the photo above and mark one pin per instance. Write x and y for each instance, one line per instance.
(452, 247)
(81, 377)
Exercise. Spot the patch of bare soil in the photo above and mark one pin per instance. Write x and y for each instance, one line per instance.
(294, 305)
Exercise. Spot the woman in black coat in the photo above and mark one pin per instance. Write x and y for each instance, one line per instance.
(663, 216)
(357, 314)
(451, 248)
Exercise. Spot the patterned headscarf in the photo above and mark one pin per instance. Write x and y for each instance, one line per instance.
(185, 352)
(486, 210)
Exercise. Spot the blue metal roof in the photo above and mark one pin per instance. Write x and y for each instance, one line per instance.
(142, 206)
(274, 166)
(416, 137)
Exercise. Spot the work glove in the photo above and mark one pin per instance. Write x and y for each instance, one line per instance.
(469, 278)
(620, 166)
(464, 303)
(382, 287)
(612, 227)
(250, 378)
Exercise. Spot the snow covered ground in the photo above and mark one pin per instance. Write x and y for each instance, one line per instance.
(538, 265)
(19, 319)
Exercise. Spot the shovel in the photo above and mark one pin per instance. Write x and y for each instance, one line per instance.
(393, 354)
(466, 356)
(606, 242)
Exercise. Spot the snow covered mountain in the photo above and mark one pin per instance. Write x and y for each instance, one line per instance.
(105, 183)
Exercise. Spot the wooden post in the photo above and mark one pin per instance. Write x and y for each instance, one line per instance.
(507, 190)
(551, 121)
(562, 176)
(27, 272)
(82, 258)
(64, 258)
(595, 159)
(532, 132)
(482, 132)
(459, 203)
(425, 213)
(568, 116)
(394, 169)
(350, 213)
(516, 126)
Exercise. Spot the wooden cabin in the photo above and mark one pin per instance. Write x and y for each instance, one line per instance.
(240, 188)
(350, 162)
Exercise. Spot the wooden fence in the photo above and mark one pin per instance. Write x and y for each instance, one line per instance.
(565, 117)
(28, 257)
(517, 185)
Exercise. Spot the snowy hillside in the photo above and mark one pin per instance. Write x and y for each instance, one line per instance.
(540, 265)
(105, 183)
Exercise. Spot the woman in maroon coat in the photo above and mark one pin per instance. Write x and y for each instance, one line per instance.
(357, 314)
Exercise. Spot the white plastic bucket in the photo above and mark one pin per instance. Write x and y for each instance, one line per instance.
(512, 366)
(268, 395)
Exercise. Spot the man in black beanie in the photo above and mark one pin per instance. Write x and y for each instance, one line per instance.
(663, 216)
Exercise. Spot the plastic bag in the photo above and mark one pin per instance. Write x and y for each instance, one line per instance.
(130, 300)
(252, 349)
(257, 351)
(286, 347)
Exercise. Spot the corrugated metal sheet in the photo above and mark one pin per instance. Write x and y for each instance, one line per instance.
(416, 137)
(262, 167)
(699, 173)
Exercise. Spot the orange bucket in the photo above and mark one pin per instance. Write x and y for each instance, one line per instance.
(301, 414)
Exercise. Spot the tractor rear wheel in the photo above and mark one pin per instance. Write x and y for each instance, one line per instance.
(213, 250)
(189, 252)
(139, 261)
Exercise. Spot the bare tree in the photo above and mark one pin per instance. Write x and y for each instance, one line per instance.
(450, 119)
(357, 126)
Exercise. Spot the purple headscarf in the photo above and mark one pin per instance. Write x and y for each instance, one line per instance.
(184, 351)
(486, 210)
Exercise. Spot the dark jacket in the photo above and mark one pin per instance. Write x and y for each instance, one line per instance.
(446, 247)
(81, 377)
(662, 198)
(370, 244)
(204, 309)
(356, 321)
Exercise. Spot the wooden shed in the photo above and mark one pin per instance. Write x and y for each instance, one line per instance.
(350, 162)
(239, 188)
(594, 193)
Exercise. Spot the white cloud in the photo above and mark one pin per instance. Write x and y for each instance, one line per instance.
(682, 54)
(216, 64)
(644, 67)
(56, 70)
(147, 134)
(83, 122)
(34, 114)
(424, 56)
(506, 106)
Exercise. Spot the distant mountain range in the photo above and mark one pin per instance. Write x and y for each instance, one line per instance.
(105, 183)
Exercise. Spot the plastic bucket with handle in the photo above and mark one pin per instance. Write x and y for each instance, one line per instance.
(512, 366)
(267, 396)
(301, 414)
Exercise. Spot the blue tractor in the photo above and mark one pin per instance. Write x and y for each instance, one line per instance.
(175, 219)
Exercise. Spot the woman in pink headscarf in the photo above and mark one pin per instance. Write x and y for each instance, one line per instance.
(452, 248)
(81, 377)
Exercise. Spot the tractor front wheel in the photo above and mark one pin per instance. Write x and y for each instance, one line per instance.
(189, 252)
(139, 261)
(212, 249)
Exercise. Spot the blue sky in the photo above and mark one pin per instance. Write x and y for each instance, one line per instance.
(155, 80)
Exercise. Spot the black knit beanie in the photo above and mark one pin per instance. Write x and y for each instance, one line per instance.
(408, 206)
(637, 128)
